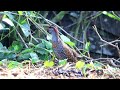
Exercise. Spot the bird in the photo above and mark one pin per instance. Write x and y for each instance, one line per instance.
(60, 49)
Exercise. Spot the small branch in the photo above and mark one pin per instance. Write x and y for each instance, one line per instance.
(109, 60)
(97, 59)
(50, 23)
(21, 39)
(71, 25)
(109, 43)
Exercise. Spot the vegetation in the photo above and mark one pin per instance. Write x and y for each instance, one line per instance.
(25, 43)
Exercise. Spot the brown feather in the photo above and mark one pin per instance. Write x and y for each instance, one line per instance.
(61, 49)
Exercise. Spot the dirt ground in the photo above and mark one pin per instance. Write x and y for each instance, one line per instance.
(68, 71)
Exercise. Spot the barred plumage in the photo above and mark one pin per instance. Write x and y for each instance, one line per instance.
(61, 50)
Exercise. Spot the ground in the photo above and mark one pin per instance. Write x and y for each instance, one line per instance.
(30, 71)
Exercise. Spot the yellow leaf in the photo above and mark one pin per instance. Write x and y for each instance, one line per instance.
(51, 63)
(80, 64)
(48, 63)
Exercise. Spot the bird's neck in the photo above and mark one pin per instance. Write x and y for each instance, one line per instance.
(55, 37)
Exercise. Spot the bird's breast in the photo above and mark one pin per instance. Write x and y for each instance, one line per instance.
(59, 50)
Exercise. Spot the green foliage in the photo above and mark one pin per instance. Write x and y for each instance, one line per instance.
(64, 38)
(48, 64)
(80, 64)
(5, 53)
(16, 46)
(20, 12)
(34, 57)
(59, 16)
(8, 21)
(14, 64)
(1, 63)
(62, 62)
(29, 27)
(86, 48)
(25, 27)
(111, 15)
(67, 40)
(17, 52)
(22, 21)
(28, 50)
(44, 47)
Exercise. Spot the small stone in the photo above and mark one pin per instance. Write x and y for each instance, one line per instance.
(15, 74)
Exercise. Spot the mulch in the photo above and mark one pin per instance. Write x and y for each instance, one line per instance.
(68, 71)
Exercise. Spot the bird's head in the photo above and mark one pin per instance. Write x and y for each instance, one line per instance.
(53, 29)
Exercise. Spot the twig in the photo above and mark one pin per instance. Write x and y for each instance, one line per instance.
(110, 60)
(82, 55)
(111, 42)
(21, 39)
(19, 34)
(94, 27)
(71, 25)
(113, 64)
(97, 59)
(50, 23)
(78, 24)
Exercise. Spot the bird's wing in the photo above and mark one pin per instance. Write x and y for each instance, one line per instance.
(68, 51)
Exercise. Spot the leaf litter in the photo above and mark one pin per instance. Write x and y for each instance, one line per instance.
(68, 71)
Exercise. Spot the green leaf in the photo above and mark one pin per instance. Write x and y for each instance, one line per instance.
(10, 56)
(1, 63)
(67, 40)
(47, 44)
(59, 16)
(30, 13)
(1, 26)
(26, 29)
(8, 21)
(49, 37)
(16, 46)
(40, 45)
(87, 46)
(20, 12)
(111, 15)
(48, 64)
(34, 57)
(51, 64)
(25, 56)
(1, 45)
(80, 64)
(14, 64)
(43, 57)
(28, 50)
(64, 38)
(72, 44)
(44, 48)
(9, 15)
(42, 51)
(62, 62)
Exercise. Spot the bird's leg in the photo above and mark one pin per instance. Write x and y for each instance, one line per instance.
(56, 61)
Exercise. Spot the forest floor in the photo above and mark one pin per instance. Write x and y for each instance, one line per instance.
(30, 71)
